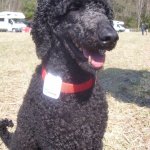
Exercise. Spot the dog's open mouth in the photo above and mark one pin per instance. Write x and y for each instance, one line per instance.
(95, 58)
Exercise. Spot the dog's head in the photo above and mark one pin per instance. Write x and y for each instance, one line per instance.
(84, 27)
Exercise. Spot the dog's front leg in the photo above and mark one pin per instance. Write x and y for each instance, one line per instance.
(23, 140)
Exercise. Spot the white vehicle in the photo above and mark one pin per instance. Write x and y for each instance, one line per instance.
(119, 26)
(12, 21)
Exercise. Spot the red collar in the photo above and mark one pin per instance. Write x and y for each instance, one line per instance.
(69, 88)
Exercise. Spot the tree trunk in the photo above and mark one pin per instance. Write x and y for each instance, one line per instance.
(139, 12)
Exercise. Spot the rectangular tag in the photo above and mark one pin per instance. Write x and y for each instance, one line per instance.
(52, 86)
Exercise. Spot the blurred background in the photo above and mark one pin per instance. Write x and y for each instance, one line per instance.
(132, 12)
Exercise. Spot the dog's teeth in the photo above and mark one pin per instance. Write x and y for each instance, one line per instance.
(89, 59)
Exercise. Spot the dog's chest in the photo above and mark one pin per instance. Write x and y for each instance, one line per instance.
(77, 123)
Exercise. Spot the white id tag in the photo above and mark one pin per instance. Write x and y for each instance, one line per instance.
(52, 86)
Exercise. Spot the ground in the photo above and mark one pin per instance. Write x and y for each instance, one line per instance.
(125, 77)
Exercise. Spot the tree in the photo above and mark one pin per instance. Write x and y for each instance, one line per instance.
(10, 5)
(28, 7)
(132, 12)
(140, 5)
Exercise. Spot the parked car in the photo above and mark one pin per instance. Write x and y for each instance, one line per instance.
(119, 26)
(12, 21)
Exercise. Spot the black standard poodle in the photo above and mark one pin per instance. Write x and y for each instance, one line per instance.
(65, 107)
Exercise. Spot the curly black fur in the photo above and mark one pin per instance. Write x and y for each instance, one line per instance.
(61, 29)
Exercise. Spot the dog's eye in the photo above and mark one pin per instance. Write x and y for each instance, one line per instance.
(74, 6)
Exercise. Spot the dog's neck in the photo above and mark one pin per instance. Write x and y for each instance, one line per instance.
(74, 75)
(61, 65)
(67, 88)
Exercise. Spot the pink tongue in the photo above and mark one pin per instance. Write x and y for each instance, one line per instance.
(95, 59)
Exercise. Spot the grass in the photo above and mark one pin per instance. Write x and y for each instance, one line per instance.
(126, 79)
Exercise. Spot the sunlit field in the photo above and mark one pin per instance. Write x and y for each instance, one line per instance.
(125, 78)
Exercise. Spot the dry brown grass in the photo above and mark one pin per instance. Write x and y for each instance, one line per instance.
(17, 62)
(126, 78)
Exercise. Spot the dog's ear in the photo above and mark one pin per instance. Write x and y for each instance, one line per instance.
(41, 30)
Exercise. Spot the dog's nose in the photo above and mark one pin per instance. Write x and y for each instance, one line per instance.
(108, 37)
